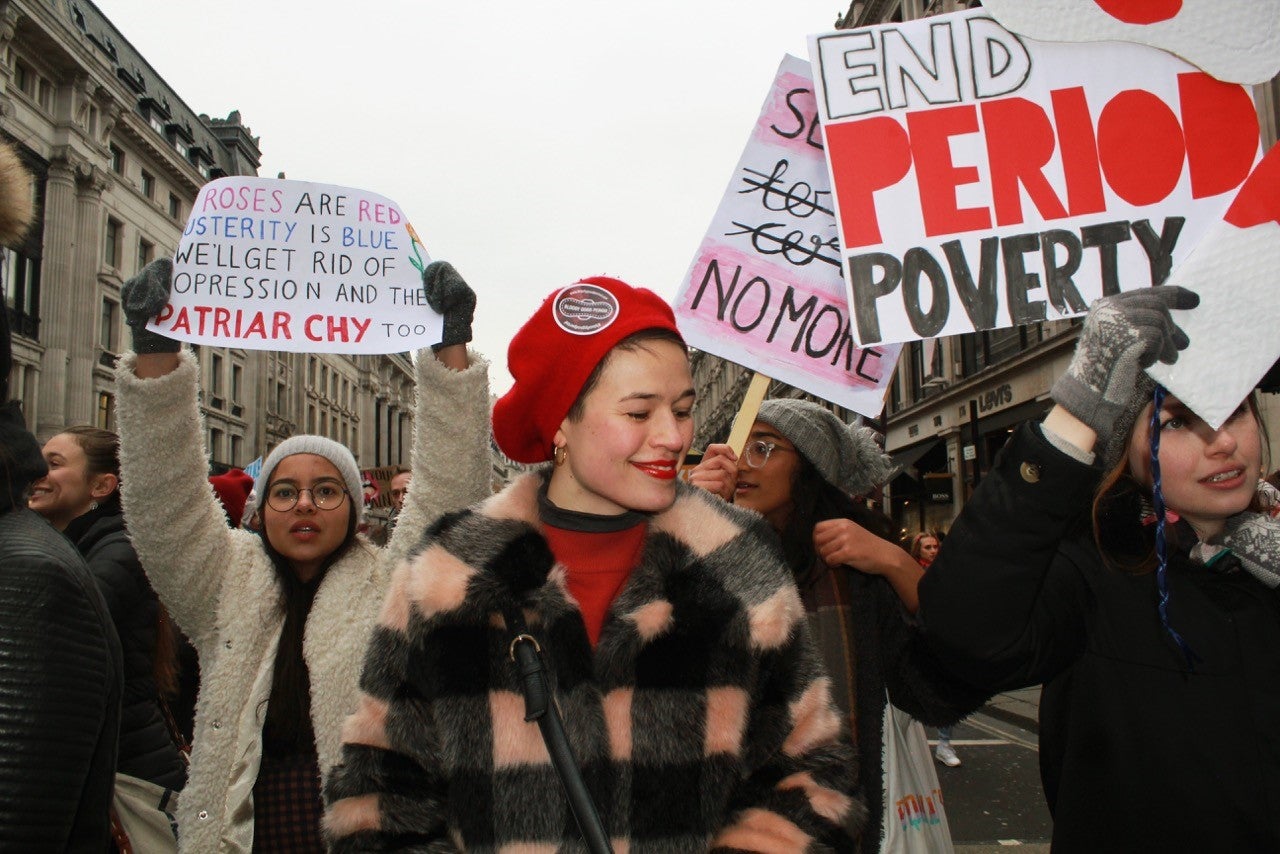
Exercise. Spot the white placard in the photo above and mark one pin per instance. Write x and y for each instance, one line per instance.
(983, 180)
(270, 264)
(1234, 40)
(764, 289)
(1235, 330)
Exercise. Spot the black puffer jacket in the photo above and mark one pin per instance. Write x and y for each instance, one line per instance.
(147, 750)
(1137, 754)
(60, 686)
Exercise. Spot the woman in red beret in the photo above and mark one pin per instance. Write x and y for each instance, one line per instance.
(674, 639)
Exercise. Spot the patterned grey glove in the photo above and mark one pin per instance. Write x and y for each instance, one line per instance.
(143, 296)
(1122, 334)
(449, 294)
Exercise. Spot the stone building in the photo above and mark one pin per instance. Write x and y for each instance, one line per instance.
(117, 158)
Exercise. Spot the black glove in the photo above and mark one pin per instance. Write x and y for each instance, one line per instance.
(449, 295)
(1123, 334)
(142, 297)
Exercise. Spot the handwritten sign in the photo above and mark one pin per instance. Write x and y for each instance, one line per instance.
(982, 180)
(1234, 40)
(1233, 331)
(765, 288)
(268, 264)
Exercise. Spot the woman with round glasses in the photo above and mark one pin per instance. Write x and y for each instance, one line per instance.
(281, 614)
(799, 469)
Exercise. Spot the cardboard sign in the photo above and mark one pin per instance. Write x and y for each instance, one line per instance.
(1234, 40)
(267, 264)
(982, 180)
(1235, 330)
(765, 289)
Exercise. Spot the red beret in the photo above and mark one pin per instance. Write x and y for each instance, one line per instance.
(233, 488)
(557, 349)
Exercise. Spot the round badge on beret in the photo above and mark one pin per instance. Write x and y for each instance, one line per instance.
(584, 309)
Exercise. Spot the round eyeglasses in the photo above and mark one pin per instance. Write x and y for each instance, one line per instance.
(325, 495)
(756, 453)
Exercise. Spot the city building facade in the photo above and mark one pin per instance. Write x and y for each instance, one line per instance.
(117, 158)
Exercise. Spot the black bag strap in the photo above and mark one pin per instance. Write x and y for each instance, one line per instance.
(539, 705)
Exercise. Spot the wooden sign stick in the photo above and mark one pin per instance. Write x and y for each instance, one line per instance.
(747, 412)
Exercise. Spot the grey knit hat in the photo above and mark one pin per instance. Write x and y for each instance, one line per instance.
(1111, 448)
(847, 456)
(335, 453)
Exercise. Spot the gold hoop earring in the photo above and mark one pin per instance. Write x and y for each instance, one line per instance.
(559, 453)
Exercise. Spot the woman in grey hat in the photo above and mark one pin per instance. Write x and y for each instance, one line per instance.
(799, 469)
(281, 618)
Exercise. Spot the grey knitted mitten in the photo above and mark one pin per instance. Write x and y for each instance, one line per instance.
(143, 296)
(449, 294)
(1122, 334)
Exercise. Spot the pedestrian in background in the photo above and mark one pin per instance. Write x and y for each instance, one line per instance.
(1156, 639)
(799, 469)
(674, 637)
(80, 496)
(280, 618)
(924, 548)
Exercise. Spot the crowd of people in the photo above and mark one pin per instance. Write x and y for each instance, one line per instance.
(603, 656)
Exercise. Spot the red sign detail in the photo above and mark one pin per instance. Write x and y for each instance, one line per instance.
(1140, 11)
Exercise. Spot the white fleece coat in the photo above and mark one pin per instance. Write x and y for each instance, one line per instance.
(220, 587)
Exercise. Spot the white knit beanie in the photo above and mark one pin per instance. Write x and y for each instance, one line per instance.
(332, 451)
(846, 455)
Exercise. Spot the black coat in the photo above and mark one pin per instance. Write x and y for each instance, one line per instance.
(147, 749)
(1137, 753)
(60, 686)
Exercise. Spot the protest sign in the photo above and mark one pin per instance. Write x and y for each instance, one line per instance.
(1234, 40)
(765, 289)
(268, 264)
(1235, 330)
(983, 180)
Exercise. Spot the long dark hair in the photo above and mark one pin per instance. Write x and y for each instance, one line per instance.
(288, 718)
(814, 500)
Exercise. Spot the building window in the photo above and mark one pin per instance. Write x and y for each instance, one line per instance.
(106, 406)
(182, 148)
(237, 378)
(237, 450)
(108, 325)
(148, 184)
(215, 375)
(22, 292)
(281, 397)
(156, 124)
(24, 78)
(175, 207)
(111, 245)
(117, 158)
(215, 444)
(146, 252)
(44, 96)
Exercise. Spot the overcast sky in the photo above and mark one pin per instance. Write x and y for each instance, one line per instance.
(531, 144)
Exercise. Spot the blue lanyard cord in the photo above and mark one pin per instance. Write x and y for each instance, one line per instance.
(1157, 500)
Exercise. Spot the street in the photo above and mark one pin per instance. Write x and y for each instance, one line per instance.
(994, 800)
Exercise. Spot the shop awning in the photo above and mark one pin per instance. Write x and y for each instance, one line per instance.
(907, 457)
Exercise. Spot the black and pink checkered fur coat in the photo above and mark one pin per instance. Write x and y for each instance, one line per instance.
(702, 720)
